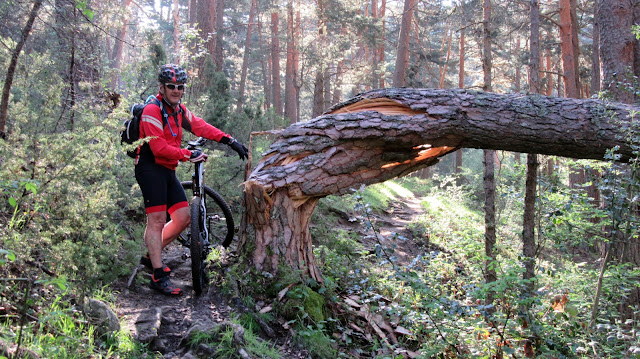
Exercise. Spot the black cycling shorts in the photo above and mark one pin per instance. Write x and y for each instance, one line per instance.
(160, 187)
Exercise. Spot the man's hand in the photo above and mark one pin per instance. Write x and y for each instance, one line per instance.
(242, 150)
(197, 156)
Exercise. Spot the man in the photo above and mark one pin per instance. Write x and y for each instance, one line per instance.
(155, 166)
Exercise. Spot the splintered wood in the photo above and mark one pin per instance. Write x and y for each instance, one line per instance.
(387, 133)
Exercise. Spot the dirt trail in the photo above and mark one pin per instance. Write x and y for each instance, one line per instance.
(391, 229)
(162, 321)
(166, 322)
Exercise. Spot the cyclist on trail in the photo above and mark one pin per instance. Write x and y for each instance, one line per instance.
(155, 166)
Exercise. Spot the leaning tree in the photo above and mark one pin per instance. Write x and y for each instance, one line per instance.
(387, 133)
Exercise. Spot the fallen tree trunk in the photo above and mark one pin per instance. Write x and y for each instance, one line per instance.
(387, 133)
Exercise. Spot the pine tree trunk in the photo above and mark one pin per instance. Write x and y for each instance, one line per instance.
(569, 58)
(383, 9)
(206, 14)
(116, 55)
(443, 70)
(297, 79)
(192, 11)
(549, 83)
(276, 95)
(531, 183)
(218, 58)
(595, 54)
(176, 32)
(8, 81)
(489, 155)
(318, 94)
(518, 72)
(461, 62)
(402, 54)
(245, 56)
(575, 40)
(528, 223)
(266, 68)
(534, 46)
(486, 45)
(617, 46)
(290, 99)
(375, 71)
(490, 275)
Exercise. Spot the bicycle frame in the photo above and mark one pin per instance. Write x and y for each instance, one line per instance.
(198, 181)
(210, 214)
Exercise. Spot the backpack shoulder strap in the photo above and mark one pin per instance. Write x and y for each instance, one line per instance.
(154, 100)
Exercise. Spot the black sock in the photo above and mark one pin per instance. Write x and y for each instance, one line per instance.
(158, 273)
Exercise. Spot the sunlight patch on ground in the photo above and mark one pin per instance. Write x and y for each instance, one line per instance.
(438, 203)
(390, 191)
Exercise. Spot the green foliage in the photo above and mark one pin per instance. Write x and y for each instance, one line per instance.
(439, 296)
(222, 339)
(304, 303)
(316, 341)
(61, 329)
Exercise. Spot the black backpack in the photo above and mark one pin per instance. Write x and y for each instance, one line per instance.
(131, 131)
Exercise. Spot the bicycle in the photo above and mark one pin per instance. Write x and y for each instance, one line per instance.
(211, 221)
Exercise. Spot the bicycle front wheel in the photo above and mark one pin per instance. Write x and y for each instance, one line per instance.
(219, 222)
(197, 243)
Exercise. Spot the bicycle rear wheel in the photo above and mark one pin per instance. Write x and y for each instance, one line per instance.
(219, 222)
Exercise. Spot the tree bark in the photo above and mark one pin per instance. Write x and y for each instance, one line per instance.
(297, 77)
(402, 54)
(318, 94)
(218, 58)
(486, 45)
(569, 58)
(375, 70)
(617, 43)
(206, 15)
(461, 61)
(8, 81)
(388, 133)
(193, 11)
(534, 47)
(489, 165)
(245, 56)
(443, 70)
(490, 260)
(276, 95)
(595, 55)
(265, 62)
(531, 183)
(118, 47)
(176, 32)
(290, 97)
(383, 9)
(528, 223)
(518, 70)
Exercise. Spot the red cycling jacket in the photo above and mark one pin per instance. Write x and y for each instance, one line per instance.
(166, 142)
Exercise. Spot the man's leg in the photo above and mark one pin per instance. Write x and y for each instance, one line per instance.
(180, 219)
(153, 237)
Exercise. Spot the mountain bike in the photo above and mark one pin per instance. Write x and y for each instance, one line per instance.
(211, 221)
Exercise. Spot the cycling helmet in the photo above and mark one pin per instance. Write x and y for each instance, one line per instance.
(172, 73)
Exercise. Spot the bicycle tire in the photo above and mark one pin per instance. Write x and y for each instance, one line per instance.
(220, 222)
(196, 245)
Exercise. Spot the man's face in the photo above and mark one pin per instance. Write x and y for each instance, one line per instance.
(172, 92)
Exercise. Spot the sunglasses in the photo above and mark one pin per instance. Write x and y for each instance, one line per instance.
(173, 87)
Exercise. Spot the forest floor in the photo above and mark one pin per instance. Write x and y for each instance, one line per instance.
(166, 323)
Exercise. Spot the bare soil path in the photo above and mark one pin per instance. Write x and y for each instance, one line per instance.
(167, 323)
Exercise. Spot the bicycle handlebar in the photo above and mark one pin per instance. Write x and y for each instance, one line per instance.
(192, 145)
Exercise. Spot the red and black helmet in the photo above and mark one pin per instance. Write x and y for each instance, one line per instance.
(172, 73)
